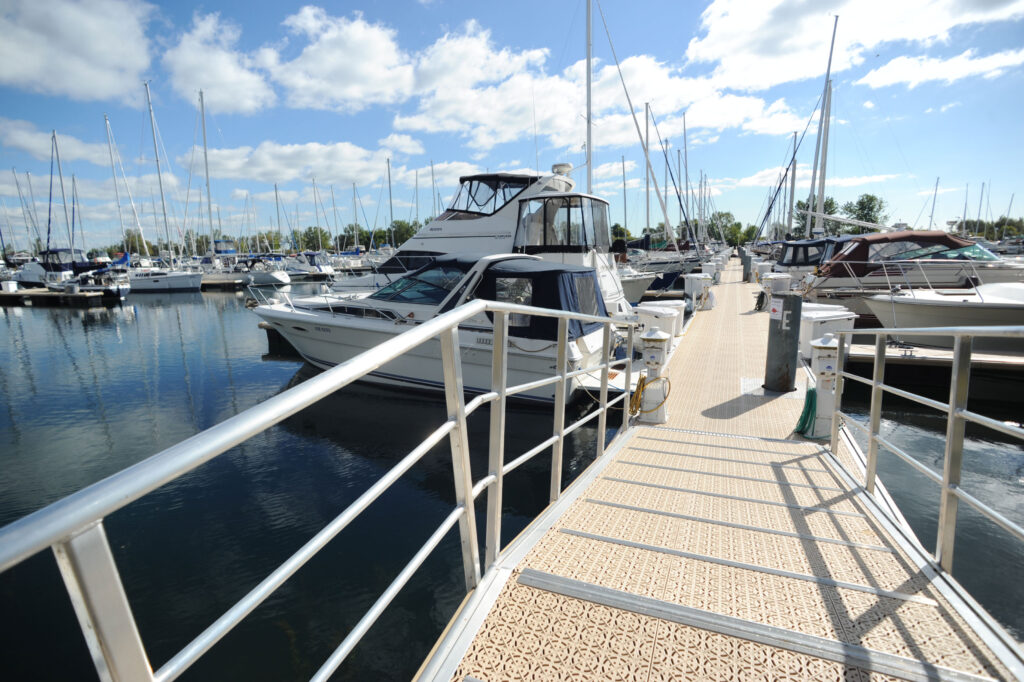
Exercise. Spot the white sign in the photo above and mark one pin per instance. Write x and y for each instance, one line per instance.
(775, 309)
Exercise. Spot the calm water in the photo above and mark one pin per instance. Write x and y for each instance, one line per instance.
(84, 394)
(986, 560)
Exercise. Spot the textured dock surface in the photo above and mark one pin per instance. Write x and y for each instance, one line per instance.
(718, 547)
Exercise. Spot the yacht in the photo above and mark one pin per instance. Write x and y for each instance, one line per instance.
(329, 330)
(984, 305)
(512, 213)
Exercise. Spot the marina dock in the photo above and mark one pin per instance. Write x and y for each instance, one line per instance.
(720, 546)
(42, 297)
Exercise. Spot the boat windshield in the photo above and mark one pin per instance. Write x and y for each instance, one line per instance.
(563, 224)
(429, 287)
(487, 195)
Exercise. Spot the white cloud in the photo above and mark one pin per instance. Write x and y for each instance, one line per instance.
(946, 107)
(88, 50)
(346, 65)
(917, 70)
(403, 144)
(24, 135)
(769, 177)
(756, 44)
(868, 104)
(205, 59)
(613, 169)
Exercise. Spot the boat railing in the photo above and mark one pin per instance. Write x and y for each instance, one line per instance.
(949, 479)
(904, 268)
(74, 526)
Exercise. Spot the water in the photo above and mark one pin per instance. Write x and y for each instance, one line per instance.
(84, 394)
(986, 559)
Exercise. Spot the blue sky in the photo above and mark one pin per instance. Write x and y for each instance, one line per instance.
(922, 89)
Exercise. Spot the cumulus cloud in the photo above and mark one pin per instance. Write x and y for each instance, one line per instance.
(346, 64)
(914, 71)
(205, 59)
(86, 50)
(403, 144)
(23, 135)
(868, 104)
(756, 44)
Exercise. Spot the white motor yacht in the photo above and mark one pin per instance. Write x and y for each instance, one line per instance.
(329, 330)
(511, 213)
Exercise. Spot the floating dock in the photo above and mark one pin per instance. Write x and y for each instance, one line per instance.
(720, 546)
(43, 297)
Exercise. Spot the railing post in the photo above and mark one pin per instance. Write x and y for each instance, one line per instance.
(628, 378)
(602, 419)
(953, 459)
(459, 441)
(559, 426)
(840, 362)
(496, 451)
(877, 379)
(94, 585)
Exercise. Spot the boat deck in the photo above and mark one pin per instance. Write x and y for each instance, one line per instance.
(718, 546)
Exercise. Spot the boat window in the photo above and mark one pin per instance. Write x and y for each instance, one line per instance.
(564, 224)
(893, 250)
(848, 248)
(429, 287)
(601, 230)
(923, 252)
(518, 290)
(973, 252)
(487, 195)
(586, 292)
(407, 261)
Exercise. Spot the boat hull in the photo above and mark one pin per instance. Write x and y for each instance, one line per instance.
(956, 311)
(153, 282)
(325, 344)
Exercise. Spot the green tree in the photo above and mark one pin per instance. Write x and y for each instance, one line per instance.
(619, 232)
(134, 243)
(315, 238)
(868, 208)
(829, 207)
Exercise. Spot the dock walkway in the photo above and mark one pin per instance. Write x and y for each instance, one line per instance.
(717, 546)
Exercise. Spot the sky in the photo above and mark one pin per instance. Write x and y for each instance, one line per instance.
(333, 93)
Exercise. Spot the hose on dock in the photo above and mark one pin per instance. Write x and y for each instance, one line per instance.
(636, 400)
(805, 425)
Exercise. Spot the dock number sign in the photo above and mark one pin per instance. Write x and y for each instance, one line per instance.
(775, 309)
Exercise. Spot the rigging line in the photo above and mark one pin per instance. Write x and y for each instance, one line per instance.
(686, 218)
(636, 125)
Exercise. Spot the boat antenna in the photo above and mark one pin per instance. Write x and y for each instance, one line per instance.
(590, 144)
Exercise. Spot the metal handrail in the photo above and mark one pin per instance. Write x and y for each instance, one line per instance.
(957, 417)
(73, 527)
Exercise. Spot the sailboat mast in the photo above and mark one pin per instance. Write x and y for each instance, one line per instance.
(792, 187)
(590, 172)
(977, 223)
(63, 198)
(819, 221)
(113, 173)
(647, 175)
(156, 155)
(935, 194)
(417, 193)
(625, 214)
(433, 190)
(206, 166)
(821, 123)
(277, 203)
(391, 205)
(337, 227)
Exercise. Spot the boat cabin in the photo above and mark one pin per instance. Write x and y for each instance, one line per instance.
(864, 253)
(562, 222)
(454, 279)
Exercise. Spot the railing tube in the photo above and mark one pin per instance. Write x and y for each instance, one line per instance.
(836, 415)
(948, 502)
(559, 425)
(628, 378)
(97, 594)
(877, 379)
(496, 446)
(459, 441)
(602, 421)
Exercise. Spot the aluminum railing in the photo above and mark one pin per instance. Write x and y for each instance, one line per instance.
(73, 527)
(957, 417)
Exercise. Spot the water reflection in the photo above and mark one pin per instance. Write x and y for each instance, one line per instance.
(88, 393)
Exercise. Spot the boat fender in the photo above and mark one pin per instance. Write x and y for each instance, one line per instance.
(762, 301)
